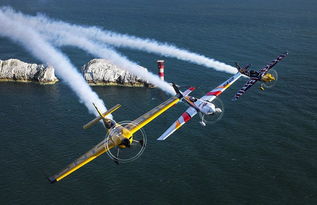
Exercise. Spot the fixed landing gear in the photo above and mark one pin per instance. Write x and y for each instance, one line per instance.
(203, 123)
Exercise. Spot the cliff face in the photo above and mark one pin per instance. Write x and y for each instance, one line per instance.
(102, 72)
(16, 70)
(95, 72)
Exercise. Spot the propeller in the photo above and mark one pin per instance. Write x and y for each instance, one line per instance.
(269, 84)
(216, 116)
(130, 148)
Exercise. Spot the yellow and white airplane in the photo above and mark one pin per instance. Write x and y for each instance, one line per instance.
(118, 135)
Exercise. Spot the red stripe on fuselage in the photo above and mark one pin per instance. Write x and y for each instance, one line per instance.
(186, 116)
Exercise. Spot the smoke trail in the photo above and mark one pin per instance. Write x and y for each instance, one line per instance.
(121, 40)
(61, 38)
(42, 50)
(107, 53)
(152, 46)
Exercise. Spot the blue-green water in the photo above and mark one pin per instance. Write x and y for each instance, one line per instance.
(263, 151)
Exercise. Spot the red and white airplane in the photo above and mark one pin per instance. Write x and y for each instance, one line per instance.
(202, 105)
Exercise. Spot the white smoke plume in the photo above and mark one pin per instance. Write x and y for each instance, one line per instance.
(61, 37)
(39, 48)
(125, 41)
(115, 58)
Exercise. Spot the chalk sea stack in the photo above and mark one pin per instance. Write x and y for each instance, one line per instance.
(102, 72)
(97, 72)
(19, 71)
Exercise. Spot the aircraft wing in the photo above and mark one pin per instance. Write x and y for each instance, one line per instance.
(140, 122)
(92, 154)
(210, 96)
(273, 63)
(102, 148)
(185, 117)
(244, 88)
(191, 112)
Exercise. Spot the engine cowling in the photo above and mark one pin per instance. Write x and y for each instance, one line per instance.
(125, 143)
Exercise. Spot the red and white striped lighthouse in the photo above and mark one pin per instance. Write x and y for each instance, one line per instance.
(160, 65)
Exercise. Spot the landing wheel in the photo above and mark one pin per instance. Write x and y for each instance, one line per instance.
(129, 149)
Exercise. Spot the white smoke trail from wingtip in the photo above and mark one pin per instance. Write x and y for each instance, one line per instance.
(127, 41)
(42, 50)
(63, 37)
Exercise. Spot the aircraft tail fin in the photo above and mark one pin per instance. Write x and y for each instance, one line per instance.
(242, 70)
(178, 92)
(181, 94)
(101, 116)
(237, 66)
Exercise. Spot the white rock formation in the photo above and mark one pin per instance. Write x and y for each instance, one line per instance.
(16, 70)
(95, 72)
(102, 72)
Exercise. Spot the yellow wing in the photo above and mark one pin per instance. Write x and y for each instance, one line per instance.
(151, 115)
(92, 154)
(102, 148)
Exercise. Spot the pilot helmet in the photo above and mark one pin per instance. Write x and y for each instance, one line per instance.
(193, 99)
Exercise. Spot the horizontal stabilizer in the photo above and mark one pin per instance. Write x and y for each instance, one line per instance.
(188, 91)
(181, 94)
(94, 121)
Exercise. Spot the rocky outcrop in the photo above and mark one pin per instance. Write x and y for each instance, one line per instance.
(102, 72)
(16, 70)
(95, 72)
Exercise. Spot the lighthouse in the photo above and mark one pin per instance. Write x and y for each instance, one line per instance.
(160, 66)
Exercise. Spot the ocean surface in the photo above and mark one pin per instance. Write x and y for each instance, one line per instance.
(263, 151)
